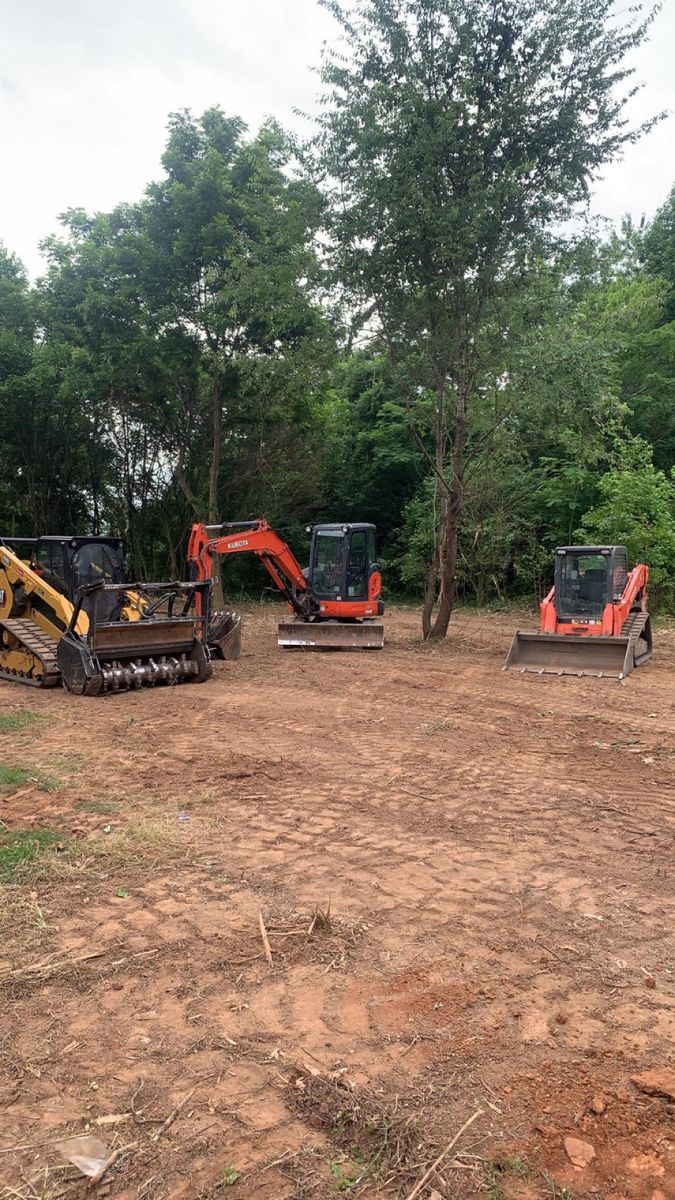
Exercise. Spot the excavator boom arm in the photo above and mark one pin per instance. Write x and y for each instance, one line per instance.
(249, 537)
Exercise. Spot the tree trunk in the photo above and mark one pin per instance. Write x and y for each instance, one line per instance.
(217, 600)
(450, 517)
(430, 594)
(217, 427)
(440, 494)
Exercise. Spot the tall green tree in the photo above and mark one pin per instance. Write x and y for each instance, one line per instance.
(636, 509)
(42, 432)
(231, 262)
(453, 135)
(197, 346)
(658, 250)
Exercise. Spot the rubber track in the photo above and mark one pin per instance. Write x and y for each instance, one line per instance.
(633, 629)
(38, 643)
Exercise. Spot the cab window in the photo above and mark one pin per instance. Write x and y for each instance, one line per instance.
(96, 563)
(356, 565)
(584, 582)
(49, 560)
(328, 562)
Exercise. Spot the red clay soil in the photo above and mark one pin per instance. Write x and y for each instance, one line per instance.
(485, 861)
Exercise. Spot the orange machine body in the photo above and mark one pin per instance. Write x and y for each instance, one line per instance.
(614, 614)
(304, 598)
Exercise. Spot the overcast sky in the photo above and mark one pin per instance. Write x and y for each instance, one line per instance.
(86, 86)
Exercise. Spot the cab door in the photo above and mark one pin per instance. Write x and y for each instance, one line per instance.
(356, 566)
(362, 590)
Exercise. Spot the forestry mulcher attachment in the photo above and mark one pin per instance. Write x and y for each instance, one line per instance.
(594, 620)
(336, 600)
(67, 616)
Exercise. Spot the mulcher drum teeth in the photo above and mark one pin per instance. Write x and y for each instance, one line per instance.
(146, 653)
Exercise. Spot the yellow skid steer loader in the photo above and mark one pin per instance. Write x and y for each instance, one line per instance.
(67, 616)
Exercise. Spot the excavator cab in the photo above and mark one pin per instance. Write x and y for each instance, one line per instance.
(342, 562)
(344, 588)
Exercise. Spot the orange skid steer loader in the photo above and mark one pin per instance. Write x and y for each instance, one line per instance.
(594, 620)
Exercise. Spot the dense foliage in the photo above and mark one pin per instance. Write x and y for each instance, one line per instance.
(421, 352)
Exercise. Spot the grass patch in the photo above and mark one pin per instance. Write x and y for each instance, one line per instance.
(17, 721)
(496, 1171)
(555, 1190)
(22, 847)
(146, 836)
(102, 807)
(12, 778)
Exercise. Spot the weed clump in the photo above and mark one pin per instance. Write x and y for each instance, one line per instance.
(20, 848)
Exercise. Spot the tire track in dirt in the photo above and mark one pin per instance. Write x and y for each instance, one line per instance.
(468, 833)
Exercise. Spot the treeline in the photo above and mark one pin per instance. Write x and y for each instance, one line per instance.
(383, 325)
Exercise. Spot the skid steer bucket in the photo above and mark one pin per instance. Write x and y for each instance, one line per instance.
(575, 654)
(224, 636)
(331, 635)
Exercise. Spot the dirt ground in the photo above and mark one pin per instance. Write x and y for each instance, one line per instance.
(466, 881)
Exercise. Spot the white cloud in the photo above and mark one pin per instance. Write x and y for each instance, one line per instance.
(86, 87)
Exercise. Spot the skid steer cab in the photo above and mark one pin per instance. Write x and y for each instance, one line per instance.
(595, 619)
(71, 564)
(68, 616)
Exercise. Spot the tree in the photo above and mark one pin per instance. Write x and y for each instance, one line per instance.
(231, 260)
(453, 134)
(42, 443)
(658, 250)
(197, 347)
(371, 468)
(636, 509)
(17, 323)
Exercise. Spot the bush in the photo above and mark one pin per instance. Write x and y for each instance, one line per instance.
(636, 509)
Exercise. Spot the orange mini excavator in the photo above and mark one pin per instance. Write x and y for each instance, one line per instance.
(594, 620)
(336, 601)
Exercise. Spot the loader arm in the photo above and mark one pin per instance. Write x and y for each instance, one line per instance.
(634, 594)
(21, 585)
(251, 537)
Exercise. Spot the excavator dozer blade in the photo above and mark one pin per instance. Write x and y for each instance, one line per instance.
(573, 654)
(224, 636)
(331, 635)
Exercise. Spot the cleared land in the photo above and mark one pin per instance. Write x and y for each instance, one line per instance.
(466, 881)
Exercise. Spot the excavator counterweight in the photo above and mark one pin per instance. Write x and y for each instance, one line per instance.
(594, 620)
